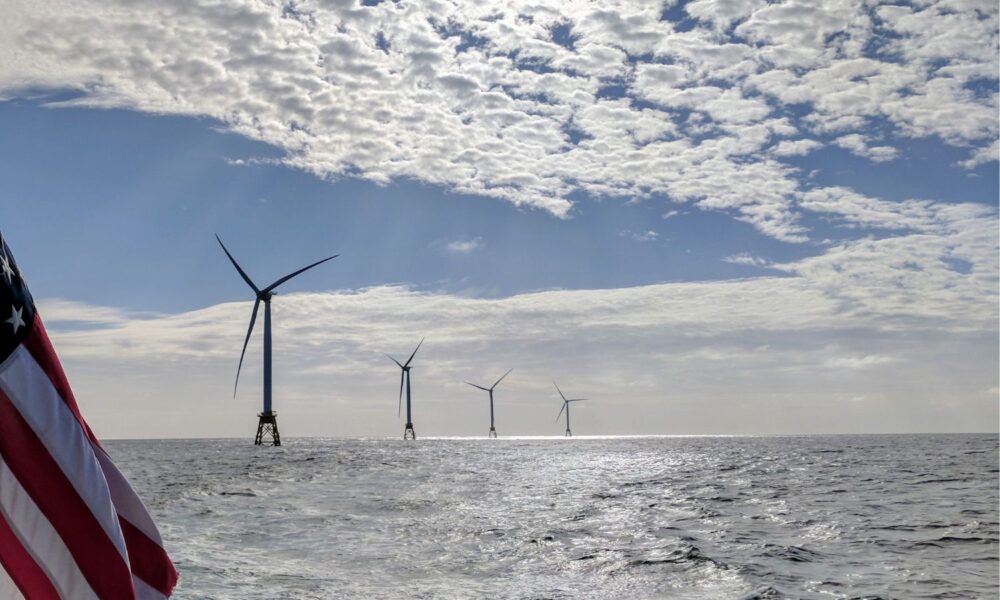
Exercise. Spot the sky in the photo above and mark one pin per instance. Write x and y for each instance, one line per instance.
(707, 217)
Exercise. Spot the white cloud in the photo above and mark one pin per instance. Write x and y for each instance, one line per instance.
(722, 13)
(63, 312)
(795, 147)
(858, 362)
(393, 91)
(911, 274)
(859, 145)
(858, 210)
(744, 258)
(465, 246)
(640, 236)
(982, 156)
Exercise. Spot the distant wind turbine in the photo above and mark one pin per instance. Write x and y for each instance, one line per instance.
(493, 430)
(565, 407)
(408, 433)
(268, 423)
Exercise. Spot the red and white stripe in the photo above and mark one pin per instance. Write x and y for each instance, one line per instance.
(70, 524)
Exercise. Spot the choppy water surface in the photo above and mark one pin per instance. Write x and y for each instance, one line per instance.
(776, 517)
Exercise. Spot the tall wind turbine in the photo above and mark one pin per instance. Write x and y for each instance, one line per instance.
(565, 407)
(493, 429)
(408, 433)
(268, 423)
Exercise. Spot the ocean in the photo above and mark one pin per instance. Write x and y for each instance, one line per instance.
(876, 516)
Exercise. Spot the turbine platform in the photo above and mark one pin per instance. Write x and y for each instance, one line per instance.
(493, 433)
(569, 433)
(267, 427)
(408, 433)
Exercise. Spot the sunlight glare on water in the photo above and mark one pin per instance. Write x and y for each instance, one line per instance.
(905, 516)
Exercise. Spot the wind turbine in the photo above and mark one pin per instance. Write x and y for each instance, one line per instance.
(493, 430)
(268, 423)
(408, 433)
(565, 407)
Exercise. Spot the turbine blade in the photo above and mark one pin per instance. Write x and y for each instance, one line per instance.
(399, 409)
(478, 386)
(501, 378)
(303, 269)
(559, 390)
(561, 411)
(414, 352)
(253, 319)
(392, 359)
(576, 400)
(245, 277)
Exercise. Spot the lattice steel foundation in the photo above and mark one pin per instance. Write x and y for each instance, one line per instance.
(267, 427)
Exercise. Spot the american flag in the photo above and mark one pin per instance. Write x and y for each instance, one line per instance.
(70, 525)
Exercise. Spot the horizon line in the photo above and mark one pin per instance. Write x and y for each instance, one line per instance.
(562, 437)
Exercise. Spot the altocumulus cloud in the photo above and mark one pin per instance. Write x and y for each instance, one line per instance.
(531, 102)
